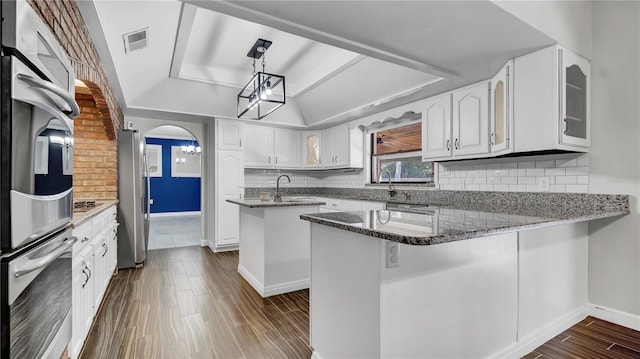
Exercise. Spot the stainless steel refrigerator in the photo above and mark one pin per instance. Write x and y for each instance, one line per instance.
(133, 196)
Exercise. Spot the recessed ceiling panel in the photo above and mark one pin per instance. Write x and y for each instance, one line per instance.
(216, 52)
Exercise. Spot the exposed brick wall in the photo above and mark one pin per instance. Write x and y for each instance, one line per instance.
(94, 154)
(67, 24)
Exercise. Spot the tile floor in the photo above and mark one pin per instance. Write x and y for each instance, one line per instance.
(174, 231)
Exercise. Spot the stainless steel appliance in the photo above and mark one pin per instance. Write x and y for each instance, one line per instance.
(36, 196)
(133, 194)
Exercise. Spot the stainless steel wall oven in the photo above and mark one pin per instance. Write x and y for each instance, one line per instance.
(36, 195)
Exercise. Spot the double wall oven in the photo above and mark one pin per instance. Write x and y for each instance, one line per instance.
(36, 199)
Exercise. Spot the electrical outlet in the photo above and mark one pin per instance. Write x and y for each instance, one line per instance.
(151, 201)
(393, 255)
(543, 184)
(130, 125)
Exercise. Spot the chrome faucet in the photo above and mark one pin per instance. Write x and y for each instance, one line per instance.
(392, 191)
(278, 197)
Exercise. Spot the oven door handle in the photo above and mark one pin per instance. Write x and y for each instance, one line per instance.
(43, 261)
(49, 86)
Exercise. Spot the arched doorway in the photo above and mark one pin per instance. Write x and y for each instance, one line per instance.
(175, 169)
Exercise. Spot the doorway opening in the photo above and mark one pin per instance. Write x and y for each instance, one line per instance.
(174, 156)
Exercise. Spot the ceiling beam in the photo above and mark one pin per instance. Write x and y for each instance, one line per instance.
(185, 24)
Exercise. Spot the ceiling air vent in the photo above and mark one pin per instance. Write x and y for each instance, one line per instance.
(135, 40)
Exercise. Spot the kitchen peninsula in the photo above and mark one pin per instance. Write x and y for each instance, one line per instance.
(453, 283)
(274, 244)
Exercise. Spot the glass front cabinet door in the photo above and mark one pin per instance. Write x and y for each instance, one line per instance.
(500, 118)
(575, 99)
(312, 141)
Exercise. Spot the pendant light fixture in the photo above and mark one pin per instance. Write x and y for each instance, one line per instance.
(265, 92)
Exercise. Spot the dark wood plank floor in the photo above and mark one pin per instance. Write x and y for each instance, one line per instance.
(191, 303)
(591, 338)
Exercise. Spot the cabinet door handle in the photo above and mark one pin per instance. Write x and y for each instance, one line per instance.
(268, 159)
(85, 239)
(86, 280)
(276, 159)
(491, 139)
(240, 142)
(88, 271)
(448, 145)
(565, 126)
(456, 144)
(106, 249)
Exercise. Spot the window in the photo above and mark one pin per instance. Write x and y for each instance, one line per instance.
(398, 151)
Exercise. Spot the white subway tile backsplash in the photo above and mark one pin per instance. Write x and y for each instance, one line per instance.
(578, 171)
(535, 172)
(509, 180)
(577, 188)
(545, 164)
(526, 180)
(526, 164)
(554, 171)
(562, 172)
(566, 180)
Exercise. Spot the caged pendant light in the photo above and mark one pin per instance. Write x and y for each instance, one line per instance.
(265, 92)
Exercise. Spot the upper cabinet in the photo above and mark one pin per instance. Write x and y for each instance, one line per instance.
(311, 149)
(342, 147)
(551, 96)
(456, 125)
(471, 120)
(501, 107)
(436, 128)
(575, 99)
(268, 147)
(229, 134)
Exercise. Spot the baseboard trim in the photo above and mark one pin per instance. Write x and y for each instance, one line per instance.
(233, 247)
(253, 281)
(272, 289)
(175, 214)
(286, 287)
(529, 343)
(614, 316)
(315, 355)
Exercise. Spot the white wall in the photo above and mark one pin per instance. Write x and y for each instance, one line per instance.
(614, 256)
(198, 129)
(568, 22)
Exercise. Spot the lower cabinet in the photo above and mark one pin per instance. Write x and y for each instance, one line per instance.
(94, 260)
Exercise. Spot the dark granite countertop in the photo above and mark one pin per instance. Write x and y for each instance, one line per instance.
(286, 202)
(446, 224)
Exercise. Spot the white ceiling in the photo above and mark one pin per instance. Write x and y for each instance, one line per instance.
(341, 59)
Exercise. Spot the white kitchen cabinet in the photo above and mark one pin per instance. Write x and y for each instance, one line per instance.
(229, 134)
(258, 152)
(343, 147)
(551, 95)
(471, 121)
(268, 147)
(501, 107)
(456, 125)
(229, 185)
(286, 148)
(94, 260)
(311, 149)
(436, 128)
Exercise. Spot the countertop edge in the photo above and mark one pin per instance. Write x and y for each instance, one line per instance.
(81, 217)
(445, 238)
(271, 204)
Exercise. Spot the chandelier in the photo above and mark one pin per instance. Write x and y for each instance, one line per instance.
(191, 149)
(265, 92)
